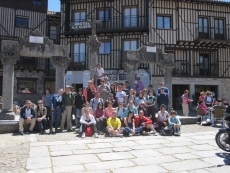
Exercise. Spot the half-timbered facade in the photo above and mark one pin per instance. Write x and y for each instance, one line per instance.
(196, 32)
(19, 19)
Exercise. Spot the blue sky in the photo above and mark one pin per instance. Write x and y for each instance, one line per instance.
(54, 5)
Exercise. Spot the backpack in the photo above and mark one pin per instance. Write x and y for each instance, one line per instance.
(167, 131)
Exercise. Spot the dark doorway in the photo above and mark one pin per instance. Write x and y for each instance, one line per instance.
(77, 86)
(177, 92)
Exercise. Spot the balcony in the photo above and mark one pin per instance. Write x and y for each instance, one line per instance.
(205, 71)
(78, 61)
(117, 24)
(212, 37)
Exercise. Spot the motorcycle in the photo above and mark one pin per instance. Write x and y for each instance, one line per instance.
(223, 136)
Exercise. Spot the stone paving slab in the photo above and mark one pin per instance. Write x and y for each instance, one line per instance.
(122, 149)
(99, 145)
(141, 169)
(109, 165)
(74, 159)
(93, 151)
(41, 151)
(61, 153)
(145, 153)
(174, 150)
(204, 154)
(186, 156)
(124, 144)
(218, 161)
(47, 143)
(199, 171)
(186, 165)
(202, 147)
(69, 168)
(154, 160)
(222, 169)
(68, 147)
(38, 163)
(115, 156)
(45, 170)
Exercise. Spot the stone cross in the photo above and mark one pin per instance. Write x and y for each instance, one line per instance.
(93, 23)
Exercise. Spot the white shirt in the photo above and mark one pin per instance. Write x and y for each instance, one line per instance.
(28, 113)
(100, 72)
(209, 99)
(121, 96)
(161, 116)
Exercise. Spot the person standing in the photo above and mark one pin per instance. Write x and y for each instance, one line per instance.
(150, 105)
(185, 103)
(100, 73)
(79, 101)
(94, 101)
(139, 86)
(46, 102)
(56, 107)
(162, 98)
(104, 90)
(121, 95)
(89, 91)
(68, 100)
(27, 115)
(162, 85)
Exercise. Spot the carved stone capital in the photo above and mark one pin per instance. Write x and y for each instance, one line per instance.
(167, 66)
(9, 59)
(93, 43)
(61, 61)
(130, 65)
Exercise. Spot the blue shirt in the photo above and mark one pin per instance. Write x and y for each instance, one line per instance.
(56, 98)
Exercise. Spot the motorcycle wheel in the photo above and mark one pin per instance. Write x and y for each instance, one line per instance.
(223, 141)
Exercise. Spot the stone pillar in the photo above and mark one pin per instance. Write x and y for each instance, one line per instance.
(93, 45)
(130, 68)
(8, 62)
(60, 64)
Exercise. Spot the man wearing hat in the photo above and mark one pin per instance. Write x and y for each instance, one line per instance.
(68, 102)
(79, 101)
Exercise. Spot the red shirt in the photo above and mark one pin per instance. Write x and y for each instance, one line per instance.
(144, 120)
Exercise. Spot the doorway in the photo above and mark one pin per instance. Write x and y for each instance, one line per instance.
(200, 88)
(77, 86)
(177, 91)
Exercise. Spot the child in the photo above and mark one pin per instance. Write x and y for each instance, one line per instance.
(174, 121)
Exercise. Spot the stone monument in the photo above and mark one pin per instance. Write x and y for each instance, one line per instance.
(34, 45)
(93, 45)
(149, 54)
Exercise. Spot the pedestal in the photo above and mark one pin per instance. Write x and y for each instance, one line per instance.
(60, 64)
(8, 62)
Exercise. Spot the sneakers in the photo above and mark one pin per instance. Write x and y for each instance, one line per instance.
(119, 135)
(95, 135)
(83, 135)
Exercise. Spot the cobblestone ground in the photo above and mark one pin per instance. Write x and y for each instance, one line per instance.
(194, 152)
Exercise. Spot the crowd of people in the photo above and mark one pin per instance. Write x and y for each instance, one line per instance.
(114, 109)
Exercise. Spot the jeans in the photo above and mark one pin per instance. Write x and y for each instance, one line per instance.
(56, 117)
(42, 124)
(49, 117)
(67, 117)
(137, 130)
(77, 117)
(99, 124)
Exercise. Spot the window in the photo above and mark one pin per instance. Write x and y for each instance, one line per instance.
(21, 22)
(122, 76)
(203, 25)
(105, 48)
(219, 28)
(26, 86)
(130, 17)
(130, 45)
(37, 3)
(79, 52)
(204, 64)
(164, 22)
(104, 15)
(80, 16)
(53, 32)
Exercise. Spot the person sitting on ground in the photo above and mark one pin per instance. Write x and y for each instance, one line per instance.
(139, 99)
(174, 122)
(88, 120)
(132, 108)
(114, 125)
(129, 123)
(162, 119)
(27, 115)
(144, 123)
(40, 114)
(99, 114)
(86, 106)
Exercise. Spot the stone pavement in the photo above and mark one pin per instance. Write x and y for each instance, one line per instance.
(194, 152)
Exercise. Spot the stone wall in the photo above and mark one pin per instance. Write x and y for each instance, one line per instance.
(39, 76)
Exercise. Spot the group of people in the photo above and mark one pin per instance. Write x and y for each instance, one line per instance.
(114, 109)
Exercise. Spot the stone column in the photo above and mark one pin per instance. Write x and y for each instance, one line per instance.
(60, 64)
(8, 62)
(130, 68)
(93, 45)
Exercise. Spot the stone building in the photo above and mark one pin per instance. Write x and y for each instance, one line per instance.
(20, 19)
(196, 32)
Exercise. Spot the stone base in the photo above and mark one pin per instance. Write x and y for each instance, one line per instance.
(187, 120)
(8, 126)
(7, 115)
